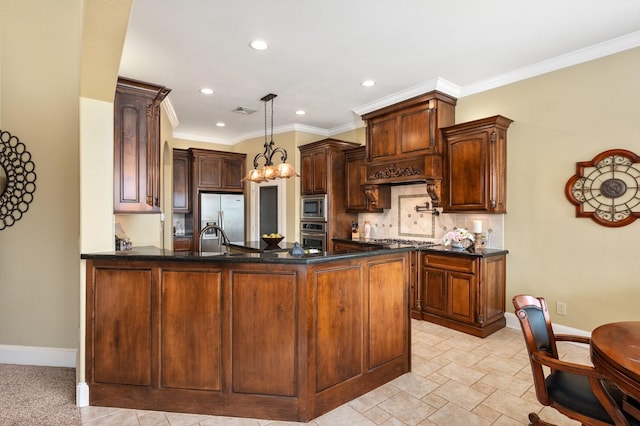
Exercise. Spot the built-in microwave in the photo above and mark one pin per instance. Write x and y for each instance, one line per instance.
(314, 207)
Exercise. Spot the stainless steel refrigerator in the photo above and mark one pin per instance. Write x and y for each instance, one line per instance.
(226, 211)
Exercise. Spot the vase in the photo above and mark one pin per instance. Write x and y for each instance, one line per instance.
(296, 250)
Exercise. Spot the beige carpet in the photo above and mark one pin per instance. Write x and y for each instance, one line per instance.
(37, 396)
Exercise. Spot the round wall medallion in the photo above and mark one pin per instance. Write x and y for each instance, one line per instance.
(607, 188)
(17, 179)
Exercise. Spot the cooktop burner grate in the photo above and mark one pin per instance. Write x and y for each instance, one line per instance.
(415, 243)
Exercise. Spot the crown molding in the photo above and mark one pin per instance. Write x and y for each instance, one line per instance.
(200, 138)
(346, 128)
(439, 84)
(590, 53)
(171, 112)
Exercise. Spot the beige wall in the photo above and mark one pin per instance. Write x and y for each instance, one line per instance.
(560, 118)
(39, 101)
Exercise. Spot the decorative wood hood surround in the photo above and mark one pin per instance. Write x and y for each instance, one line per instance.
(404, 143)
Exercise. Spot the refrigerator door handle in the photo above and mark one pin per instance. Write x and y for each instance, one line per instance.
(221, 218)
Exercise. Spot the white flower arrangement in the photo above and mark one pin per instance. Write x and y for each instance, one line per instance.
(454, 237)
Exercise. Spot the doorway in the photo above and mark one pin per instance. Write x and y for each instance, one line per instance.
(268, 209)
(267, 212)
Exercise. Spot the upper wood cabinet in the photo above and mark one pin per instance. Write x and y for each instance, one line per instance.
(322, 162)
(400, 137)
(314, 172)
(137, 146)
(218, 170)
(181, 181)
(363, 198)
(476, 166)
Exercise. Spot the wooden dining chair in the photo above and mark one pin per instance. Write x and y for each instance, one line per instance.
(575, 390)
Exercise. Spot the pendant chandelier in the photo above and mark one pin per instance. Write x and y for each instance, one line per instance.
(270, 171)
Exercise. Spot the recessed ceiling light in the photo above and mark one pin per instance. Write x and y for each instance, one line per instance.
(259, 45)
(206, 91)
(220, 124)
(368, 83)
(300, 112)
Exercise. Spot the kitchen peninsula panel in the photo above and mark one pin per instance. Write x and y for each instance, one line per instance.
(261, 335)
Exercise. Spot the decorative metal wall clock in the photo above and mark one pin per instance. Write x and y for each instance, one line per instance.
(17, 179)
(607, 188)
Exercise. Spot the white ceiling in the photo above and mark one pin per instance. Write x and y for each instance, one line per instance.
(320, 51)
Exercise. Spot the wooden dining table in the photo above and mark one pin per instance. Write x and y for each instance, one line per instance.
(615, 352)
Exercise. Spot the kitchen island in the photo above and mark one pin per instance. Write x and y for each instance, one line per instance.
(263, 335)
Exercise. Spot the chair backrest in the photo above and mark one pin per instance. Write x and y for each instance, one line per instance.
(538, 335)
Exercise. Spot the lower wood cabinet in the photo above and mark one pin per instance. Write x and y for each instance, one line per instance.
(182, 243)
(463, 292)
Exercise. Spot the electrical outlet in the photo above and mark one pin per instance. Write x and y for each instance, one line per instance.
(561, 308)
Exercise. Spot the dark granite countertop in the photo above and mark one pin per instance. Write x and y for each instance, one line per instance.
(261, 246)
(486, 252)
(151, 253)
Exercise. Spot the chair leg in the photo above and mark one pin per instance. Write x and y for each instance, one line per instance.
(536, 421)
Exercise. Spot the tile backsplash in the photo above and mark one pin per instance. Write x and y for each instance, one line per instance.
(403, 221)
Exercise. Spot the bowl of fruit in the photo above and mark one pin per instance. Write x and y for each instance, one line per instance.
(272, 240)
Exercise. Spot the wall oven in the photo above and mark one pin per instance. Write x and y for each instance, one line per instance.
(314, 207)
(314, 235)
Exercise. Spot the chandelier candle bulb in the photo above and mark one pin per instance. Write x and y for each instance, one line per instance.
(477, 227)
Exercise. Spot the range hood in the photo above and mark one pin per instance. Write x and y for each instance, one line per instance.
(404, 142)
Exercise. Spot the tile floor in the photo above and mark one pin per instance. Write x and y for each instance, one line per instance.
(457, 379)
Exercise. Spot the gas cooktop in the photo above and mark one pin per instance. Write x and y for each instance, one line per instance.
(401, 242)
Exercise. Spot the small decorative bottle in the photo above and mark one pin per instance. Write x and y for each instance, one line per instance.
(367, 229)
(296, 250)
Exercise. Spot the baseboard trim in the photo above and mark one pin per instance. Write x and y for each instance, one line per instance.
(34, 355)
(82, 394)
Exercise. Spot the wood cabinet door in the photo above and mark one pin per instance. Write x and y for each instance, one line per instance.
(355, 175)
(131, 154)
(306, 174)
(461, 297)
(382, 140)
(434, 291)
(181, 181)
(313, 179)
(416, 131)
(320, 172)
(209, 169)
(190, 331)
(182, 243)
(476, 166)
(121, 326)
(467, 173)
(136, 143)
(232, 173)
